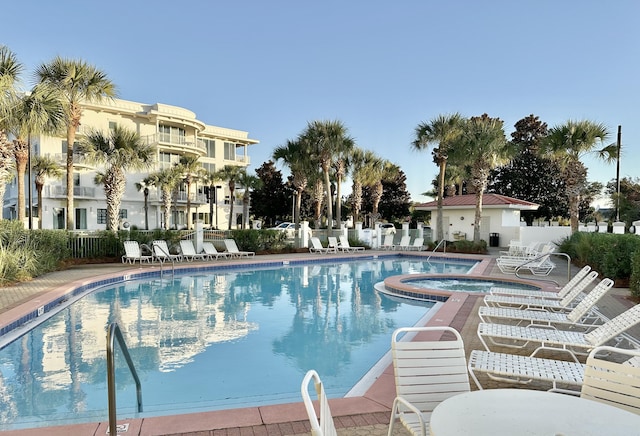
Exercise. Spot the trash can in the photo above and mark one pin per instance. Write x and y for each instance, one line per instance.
(494, 239)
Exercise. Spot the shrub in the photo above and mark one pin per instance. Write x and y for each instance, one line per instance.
(634, 280)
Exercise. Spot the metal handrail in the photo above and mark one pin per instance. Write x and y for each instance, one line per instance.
(444, 242)
(168, 256)
(540, 256)
(112, 334)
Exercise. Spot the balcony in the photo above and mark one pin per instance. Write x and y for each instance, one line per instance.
(79, 161)
(177, 143)
(196, 199)
(59, 191)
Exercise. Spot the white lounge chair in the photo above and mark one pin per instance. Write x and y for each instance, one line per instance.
(404, 243)
(428, 368)
(333, 243)
(572, 342)
(610, 382)
(211, 252)
(316, 247)
(580, 275)
(234, 251)
(539, 265)
(387, 243)
(132, 252)
(579, 316)
(161, 251)
(344, 245)
(324, 425)
(566, 304)
(418, 245)
(189, 252)
(564, 376)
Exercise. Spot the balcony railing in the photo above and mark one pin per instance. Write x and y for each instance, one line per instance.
(78, 160)
(59, 191)
(195, 197)
(176, 141)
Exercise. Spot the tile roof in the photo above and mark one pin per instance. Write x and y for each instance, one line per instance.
(488, 200)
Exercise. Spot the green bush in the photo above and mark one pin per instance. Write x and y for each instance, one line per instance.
(634, 280)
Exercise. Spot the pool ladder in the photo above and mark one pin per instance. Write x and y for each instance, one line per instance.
(444, 247)
(112, 334)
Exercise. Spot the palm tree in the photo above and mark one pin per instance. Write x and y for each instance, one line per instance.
(76, 82)
(363, 172)
(567, 143)
(445, 130)
(144, 187)
(120, 151)
(340, 165)
(230, 174)
(7, 165)
(383, 171)
(10, 69)
(325, 140)
(483, 147)
(166, 180)
(296, 157)
(44, 166)
(249, 183)
(36, 112)
(192, 171)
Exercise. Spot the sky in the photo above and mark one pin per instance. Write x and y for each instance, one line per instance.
(380, 67)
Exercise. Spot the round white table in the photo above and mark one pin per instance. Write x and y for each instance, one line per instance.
(511, 412)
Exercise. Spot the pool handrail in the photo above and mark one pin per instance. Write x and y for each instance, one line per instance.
(114, 333)
(436, 247)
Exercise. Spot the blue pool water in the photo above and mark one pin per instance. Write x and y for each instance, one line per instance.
(465, 285)
(215, 339)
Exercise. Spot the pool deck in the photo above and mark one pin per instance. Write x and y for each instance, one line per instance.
(366, 415)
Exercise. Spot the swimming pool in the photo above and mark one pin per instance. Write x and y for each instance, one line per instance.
(216, 338)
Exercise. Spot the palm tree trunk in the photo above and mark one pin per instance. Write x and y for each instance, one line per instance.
(188, 206)
(439, 219)
(71, 137)
(39, 187)
(478, 217)
(231, 198)
(327, 186)
(21, 166)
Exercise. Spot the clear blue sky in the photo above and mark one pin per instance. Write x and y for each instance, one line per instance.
(381, 67)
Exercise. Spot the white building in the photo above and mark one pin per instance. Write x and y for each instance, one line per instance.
(174, 132)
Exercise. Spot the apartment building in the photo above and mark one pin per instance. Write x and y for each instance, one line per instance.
(174, 132)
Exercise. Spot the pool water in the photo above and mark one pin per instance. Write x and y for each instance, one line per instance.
(211, 340)
(466, 285)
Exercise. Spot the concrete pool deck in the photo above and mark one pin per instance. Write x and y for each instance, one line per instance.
(368, 414)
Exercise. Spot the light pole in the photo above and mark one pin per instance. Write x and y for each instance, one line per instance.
(215, 198)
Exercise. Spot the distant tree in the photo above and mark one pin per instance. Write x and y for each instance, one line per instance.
(444, 131)
(230, 174)
(484, 148)
(192, 171)
(529, 176)
(167, 180)
(44, 167)
(395, 201)
(272, 201)
(249, 182)
(629, 198)
(364, 164)
(567, 144)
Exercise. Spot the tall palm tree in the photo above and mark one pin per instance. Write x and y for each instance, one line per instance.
(37, 112)
(340, 165)
(567, 143)
(249, 183)
(10, 70)
(296, 157)
(120, 151)
(445, 131)
(230, 174)
(76, 82)
(325, 140)
(44, 167)
(7, 165)
(483, 147)
(167, 180)
(192, 171)
(143, 186)
(383, 171)
(364, 164)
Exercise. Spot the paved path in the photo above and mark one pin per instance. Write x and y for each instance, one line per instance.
(466, 321)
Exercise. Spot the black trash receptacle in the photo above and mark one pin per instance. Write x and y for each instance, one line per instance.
(494, 239)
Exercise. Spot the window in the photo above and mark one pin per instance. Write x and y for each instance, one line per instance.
(102, 216)
(166, 160)
(229, 151)
(123, 214)
(112, 126)
(76, 179)
(75, 146)
(210, 145)
(81, 219)
(209, 167)
(171, 134)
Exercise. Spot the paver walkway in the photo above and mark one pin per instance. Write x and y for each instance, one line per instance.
(465, 320)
